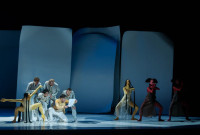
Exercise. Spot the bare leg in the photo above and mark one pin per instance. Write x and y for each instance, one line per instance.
(17, 109)
(135, 110)
(38, 105)
(157, 104)
(141, 110)
(170, 110)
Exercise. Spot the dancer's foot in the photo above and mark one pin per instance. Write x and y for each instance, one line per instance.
(117, 118)
(160, 119)
(43, 117)
(187, 118)
(139, 120)
(134, 118)
(169, 119)
(14, 121)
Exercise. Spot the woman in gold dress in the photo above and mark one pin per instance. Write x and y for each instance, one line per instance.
(123, 107)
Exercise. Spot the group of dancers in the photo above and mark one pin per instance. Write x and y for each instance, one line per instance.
(44, 98)
(52, 108)
(147, 108)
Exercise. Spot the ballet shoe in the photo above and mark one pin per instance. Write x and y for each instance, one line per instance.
(134, 118)
(117, 118)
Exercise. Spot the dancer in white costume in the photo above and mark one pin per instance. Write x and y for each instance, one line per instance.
(44, 98)
(53, 88)
(59, 109)
(69, 93)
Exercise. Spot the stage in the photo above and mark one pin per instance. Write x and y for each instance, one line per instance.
(100, 123)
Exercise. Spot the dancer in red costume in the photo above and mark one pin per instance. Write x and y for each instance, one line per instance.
(147, 108)
(178, 98)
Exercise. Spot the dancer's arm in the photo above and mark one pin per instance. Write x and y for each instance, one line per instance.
(36, 90)
(57, 90)
(156, 88)
(149, 90)
(11, 100)
(132, 89)
(176, 89)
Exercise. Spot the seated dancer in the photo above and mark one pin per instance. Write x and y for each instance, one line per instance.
(53, 88)
(178, 98)
(43, 98)
(147, 108)
(122, 107)
(69, 93)
(59, 109)
(26, 107)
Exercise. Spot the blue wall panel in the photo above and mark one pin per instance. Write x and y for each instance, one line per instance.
(44, 52)
(93, 66)
(147, 54)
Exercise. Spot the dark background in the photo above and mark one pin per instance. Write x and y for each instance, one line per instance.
(178, 24)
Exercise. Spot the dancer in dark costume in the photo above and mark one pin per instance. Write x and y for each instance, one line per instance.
(147, 108)
(178, 98)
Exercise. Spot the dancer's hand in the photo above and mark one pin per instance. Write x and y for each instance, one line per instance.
(75, 101)
(66, 106)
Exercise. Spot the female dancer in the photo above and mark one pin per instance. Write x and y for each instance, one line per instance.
(149, 104)
(122, 106)
(178, 98)
(25, 105)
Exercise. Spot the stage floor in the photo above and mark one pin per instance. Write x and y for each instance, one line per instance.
(94, 121)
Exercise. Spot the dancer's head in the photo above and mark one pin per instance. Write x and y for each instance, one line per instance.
(177, 81)
(51, 82)
(68, 91)
(36, 80)
(151, 81)
(128, 82)
(45, 92)
(62, 98)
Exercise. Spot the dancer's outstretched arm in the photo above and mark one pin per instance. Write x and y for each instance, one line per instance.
(36, 90)
(11, 100)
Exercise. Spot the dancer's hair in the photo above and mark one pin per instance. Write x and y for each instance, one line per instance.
(36, 79)
(69, 89)
(62, 96)
(130, 85)
(27, 118)
(51, 80)
(174, 82)
(149, 79)
(45, 90)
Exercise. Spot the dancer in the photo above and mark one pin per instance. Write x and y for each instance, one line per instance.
(53, 88)
(178, 98)
(122, 107)
(26, 107)
(69, 93)
(147, 108)
(30, 88)
(43, 98)
(59, 109)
